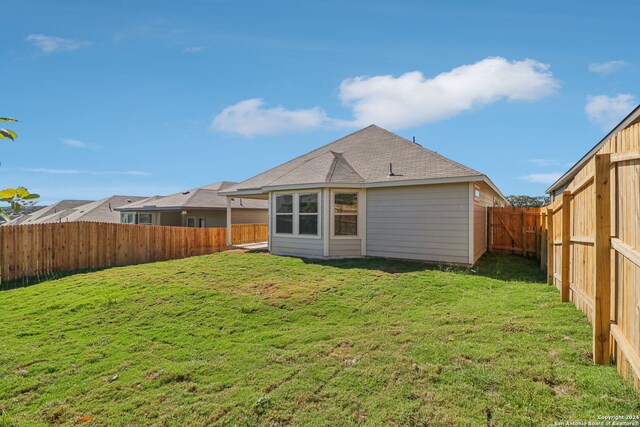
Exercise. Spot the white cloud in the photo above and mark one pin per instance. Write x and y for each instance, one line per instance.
(542, 178)
(195, 49)
(413, 99)
(408, 100)
(84, 172)
(77, 143)
(50, 44)
(607, 67)
(250, 118)
(607, 111)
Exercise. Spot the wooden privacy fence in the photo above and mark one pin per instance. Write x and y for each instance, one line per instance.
(594, 249)
(37, 250)
(515, 231)
(249, 233)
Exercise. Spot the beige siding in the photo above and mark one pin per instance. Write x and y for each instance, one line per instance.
(297, 246)
(429, 222)
(345, 247)
(217, 218)
(169, 218)
(480, 204)
(248, 216)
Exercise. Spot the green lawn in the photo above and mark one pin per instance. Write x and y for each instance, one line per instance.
(245, 339)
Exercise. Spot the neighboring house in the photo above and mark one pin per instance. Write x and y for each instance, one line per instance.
(373, 193)
(81, 211)
(60, 206)
(199, 207)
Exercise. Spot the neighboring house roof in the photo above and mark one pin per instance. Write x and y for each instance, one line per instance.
(60, 206)
(369, 157)
(631, 119)
(201, 198)
(99, 211)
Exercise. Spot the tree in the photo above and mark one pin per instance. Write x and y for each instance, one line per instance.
(524, 201)
(18, 197)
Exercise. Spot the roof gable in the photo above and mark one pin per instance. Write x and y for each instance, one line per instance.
(361, 157)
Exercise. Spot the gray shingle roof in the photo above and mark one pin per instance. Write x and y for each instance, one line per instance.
(103, 210)
(362, 157)
(60, 206)
(201, 198)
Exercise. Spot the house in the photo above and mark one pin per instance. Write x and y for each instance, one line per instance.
(373, 193)
(62, 205)
(79, 211)
(198, 207)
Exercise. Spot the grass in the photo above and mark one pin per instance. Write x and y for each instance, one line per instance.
(246, 339)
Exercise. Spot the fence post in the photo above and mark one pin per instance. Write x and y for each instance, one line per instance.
(550, 266)
(602, 301)
(566, 244)
(543, 238)
(490, 236)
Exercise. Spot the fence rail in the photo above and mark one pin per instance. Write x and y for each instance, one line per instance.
(42, 249)
(593, 249)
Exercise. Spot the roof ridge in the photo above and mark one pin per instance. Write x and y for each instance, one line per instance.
(340, 160)
(332, 168)
(296, 168)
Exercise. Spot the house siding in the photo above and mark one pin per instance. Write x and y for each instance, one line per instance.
(297, 246)
(487, 198)
(345, 247)
(248, 216)
(428, 223)
(173, 219)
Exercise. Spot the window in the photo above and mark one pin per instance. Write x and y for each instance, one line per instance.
(145, 218)
(202, 223)
(308, 214)
(345, 214)
(477, 193)
(191, 222)
(284, 214)
(128, 218)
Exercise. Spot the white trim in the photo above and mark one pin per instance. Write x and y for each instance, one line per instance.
(228, 221)
(296, 214)
(194, 221)
(399, 183)
(269, 220)
(471, 231)
(363, 239)
(326, 215)
(332, 233)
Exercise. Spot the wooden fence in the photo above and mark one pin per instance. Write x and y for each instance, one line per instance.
(249, 233)
(515, 231)
(42, 249)
(593, 253)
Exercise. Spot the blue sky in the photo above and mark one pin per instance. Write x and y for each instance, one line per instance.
(152, 97)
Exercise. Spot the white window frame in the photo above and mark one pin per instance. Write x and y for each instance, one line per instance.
(195, 223)
(203, 224)
(133, 216)
(293, 215)
(144, 223)
(296, 214)
(317, 214)
(332, 214)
